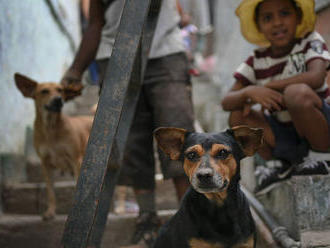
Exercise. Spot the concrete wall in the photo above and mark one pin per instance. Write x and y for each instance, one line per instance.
(231, 48)
(322, 24)
(32, 43)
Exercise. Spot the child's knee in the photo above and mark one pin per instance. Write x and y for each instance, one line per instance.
(297, 95)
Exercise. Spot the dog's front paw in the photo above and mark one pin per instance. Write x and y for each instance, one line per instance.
(48, 215)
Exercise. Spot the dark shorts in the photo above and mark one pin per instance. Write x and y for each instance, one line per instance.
(165, 100)
(288, 144)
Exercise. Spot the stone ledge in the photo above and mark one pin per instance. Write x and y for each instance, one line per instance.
(314, 238)
(29, 231)
(30, 198)
(300, 204)
(22, 231)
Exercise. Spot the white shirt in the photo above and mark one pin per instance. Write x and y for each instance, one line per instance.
(261, 67)
(167, 37)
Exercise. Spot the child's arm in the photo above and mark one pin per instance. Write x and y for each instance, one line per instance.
(88, 45)
(240, 95)
(314, 77)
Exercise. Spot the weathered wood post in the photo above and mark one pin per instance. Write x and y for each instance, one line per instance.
(101, 165)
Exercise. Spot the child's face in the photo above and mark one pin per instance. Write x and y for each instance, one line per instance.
(278, 20)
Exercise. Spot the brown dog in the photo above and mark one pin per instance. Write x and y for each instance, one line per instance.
(59, 140)
(214, 212)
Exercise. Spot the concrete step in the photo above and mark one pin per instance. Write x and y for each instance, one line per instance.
(29, 231)
(12, 168)
(31, 198)
(315, 238)
(302, 205)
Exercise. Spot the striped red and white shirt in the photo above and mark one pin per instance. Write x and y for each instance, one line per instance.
(261, 67)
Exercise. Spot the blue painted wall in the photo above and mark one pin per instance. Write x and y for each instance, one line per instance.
(32, 43)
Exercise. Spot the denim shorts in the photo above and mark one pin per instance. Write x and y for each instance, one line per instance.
(289, 145)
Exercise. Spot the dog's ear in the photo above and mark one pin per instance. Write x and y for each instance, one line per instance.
(71, 91)
(26, 85)
(170, 140)
(250, 139)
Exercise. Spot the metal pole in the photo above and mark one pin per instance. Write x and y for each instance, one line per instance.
(280, 233)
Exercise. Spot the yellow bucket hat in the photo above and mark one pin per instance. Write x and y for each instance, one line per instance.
(246, 11)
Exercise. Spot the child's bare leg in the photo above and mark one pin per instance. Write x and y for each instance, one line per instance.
(255, 119)
(305, 106)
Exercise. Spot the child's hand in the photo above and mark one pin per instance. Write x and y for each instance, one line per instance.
(247, 109)
(71, 79)
(268, 98)
(71, 82)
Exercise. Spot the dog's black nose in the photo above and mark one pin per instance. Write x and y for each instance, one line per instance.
(55, 105)
(204, 175)
(58, 101)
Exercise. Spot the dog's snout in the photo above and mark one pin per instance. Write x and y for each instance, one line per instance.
(57, 102)
(204, 174)
(55, 105)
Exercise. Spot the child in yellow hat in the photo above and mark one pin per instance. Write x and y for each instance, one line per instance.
(282, 88)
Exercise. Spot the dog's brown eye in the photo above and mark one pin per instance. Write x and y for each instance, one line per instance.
(59, 90)
(222, 154)
(44, 91)
(192, 156)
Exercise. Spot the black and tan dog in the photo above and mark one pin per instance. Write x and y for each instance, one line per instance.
(214, 212)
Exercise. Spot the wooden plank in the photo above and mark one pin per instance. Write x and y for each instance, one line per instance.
(124, 124)
(94, 170)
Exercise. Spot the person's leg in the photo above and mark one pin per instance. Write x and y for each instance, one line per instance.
(145, 199)
(138, 162)
(283, 148)
(147, 223)
(169, 95)
(138, 168)
(172, 108)
(305, 108)
(181, 184)
(311, 117)
(138, 171)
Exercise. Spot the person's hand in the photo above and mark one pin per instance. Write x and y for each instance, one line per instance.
(71, 78)
(72, 84)
(268, 98)
(185, 20)
(247, 109)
